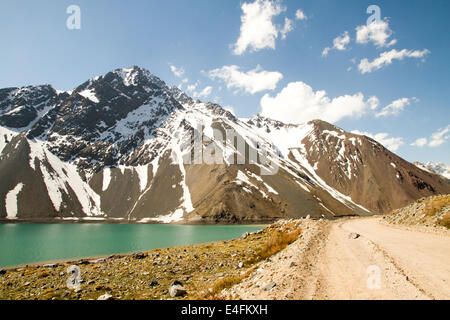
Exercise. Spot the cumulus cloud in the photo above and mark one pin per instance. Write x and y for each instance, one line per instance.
(326, 51)
(339, 43)
(395, 107)
(257, 28)
(203, 93)
(373, 102)
(420, 142)
(376, 32)
(438, 138)
(192, 87)
(300, 15)
(391, 143)
(287, 28)
(298, 103)
(253, 81)
(386, 58)
(178, 72)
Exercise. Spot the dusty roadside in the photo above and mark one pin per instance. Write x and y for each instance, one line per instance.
(355, 259)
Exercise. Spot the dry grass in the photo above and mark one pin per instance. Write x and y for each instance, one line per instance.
(436, 205)
(225, 283)
(431, 211)
(277, 242)
(445, 222)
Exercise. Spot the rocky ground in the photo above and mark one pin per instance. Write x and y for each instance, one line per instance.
(191, 272)
(432, 212)
(348, 258)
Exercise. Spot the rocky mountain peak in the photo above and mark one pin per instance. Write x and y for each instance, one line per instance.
(116, 147)
(320, 125)
(19, 107)
(260, 121)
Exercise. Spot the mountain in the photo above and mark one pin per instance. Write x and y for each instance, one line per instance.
(126, 147)
(438, 168)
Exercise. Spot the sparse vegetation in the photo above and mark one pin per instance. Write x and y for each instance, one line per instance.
(277, 242)
(204, 270)
(431, 211)
(445, 221)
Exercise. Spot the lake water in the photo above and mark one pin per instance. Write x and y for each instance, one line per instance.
(30, 243)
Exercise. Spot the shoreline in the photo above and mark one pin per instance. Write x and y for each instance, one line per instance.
(90, 220)
(75, 260)
(116, 221)
(148, 275)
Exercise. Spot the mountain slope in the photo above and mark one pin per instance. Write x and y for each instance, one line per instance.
(126, 147)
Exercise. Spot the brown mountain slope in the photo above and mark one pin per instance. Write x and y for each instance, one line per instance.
(366, 171)
(119, 148)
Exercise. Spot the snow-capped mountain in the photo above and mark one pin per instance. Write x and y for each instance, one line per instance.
(433, 167)
(122, 147)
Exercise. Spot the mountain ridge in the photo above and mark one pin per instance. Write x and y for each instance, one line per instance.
(120, 147)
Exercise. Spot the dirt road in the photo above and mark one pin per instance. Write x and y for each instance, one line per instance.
(380, 262)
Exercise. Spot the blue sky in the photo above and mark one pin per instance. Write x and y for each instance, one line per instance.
(280, 68)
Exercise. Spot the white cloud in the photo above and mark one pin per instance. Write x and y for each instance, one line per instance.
(251, 82)
(204, 93)
(373, 102)
(185, 80)
(439, 137)
(298, 103)
(395, 107)
(392, 143)
(326, 51)
(339, 43)
(377, 32)
(300, 15)
(420, 142)
(287, 28)
(257, 29)
(178, 72)
(192, 87)
(387, 57)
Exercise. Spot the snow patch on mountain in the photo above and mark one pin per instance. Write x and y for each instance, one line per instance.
(11, 202)
(59, 176)
(106, 179)
(142, 172)
(176, 216)
(89, 94)
(6, 135)
(435, 167)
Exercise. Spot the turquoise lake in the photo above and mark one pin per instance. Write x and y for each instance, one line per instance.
(31, 243)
